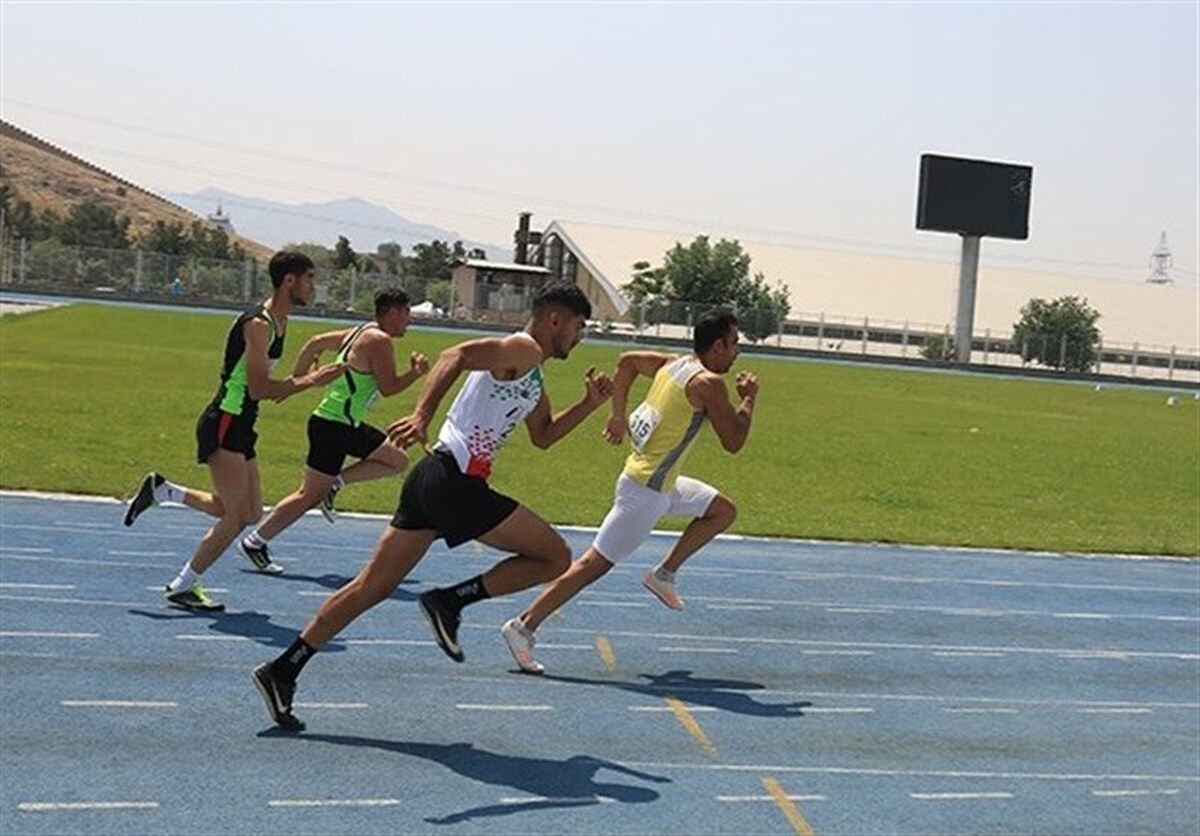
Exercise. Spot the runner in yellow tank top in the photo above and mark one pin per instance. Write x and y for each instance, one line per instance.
(686, 393)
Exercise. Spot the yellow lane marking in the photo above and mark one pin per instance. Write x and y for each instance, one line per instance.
(689, 722)
(605, 648)
(790, 811)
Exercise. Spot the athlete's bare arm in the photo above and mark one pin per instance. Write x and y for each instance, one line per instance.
(546, 428)
(375, 350)
(707, 391)
(257, 335)
(629, 366)
(306, 360)
(507, 358)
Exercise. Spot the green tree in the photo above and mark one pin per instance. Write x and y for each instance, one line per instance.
(438, 293)
(1061, 333)
(168, 238)
(389, 254)
(91, 224)
(434, 260)
(343, 254)
(702, 276)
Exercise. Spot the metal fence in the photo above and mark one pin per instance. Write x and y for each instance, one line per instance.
(53, 267)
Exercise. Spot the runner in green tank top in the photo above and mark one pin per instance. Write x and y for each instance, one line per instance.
(337, 427)
(225, 432)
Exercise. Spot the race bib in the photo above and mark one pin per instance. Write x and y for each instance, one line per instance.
(642, 422)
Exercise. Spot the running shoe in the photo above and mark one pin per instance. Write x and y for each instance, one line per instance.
(444, 621)
(277, 696)
(194, 598)
(260, 558)
(144, 498)
(326, 506)
(520, 641)
(663, 590)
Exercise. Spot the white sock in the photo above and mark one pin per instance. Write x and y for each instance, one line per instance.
(169, 492)
(255, 540)
(664, 575)
(184, 579)
(337, 484)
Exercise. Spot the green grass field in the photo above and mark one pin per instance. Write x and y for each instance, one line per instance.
(92, 397)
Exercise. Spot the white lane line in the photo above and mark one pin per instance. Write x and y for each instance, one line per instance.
(837, 652)
(980, 711)
(31, 634)
(968, 653)
(553, 646)
(510, 800)
(51, 806)
(332, 705)
(922, 773)
(333, 802)
(1095, 655)
(1085, 615)
(659, 709)
(860, 610)
(7, 549)
(915, 646)
(402, 642)
(122, 553)
(159, 589)
(957, 796)
(633, 604)
(118, 704)
(698, 649)
(854, 710)
(80, 561)
(308, 593)
(740, 608)
(37, 586)
(471, 706)
(1115, 710)
(204, 637)
(1131, 793)
(742, 798)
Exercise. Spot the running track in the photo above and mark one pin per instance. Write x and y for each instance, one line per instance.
(807, 687)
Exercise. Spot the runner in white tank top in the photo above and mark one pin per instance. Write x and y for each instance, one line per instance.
(446, 493)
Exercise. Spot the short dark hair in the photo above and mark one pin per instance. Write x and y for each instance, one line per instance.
(389, 297)
(714, 325)
(287, 262)
(563, 295)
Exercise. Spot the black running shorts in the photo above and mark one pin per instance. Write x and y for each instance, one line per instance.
(217, 430)
(437, 495)
(329, 442)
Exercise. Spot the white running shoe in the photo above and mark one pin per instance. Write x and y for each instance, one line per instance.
(520, 643)
(663, 590)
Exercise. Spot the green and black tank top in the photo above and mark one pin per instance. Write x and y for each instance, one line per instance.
(233, 394)
(349, 397)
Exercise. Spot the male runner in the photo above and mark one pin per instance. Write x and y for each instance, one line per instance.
(686, 393)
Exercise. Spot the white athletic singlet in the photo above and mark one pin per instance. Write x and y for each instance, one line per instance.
(483, 416)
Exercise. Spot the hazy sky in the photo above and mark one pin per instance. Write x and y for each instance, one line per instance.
(797, 123)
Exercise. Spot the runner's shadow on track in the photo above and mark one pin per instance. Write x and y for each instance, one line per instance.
(722, 694)
(251, 625)
(556, 783)
(334, 581)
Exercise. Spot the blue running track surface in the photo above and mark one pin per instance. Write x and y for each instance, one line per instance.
(806, 688)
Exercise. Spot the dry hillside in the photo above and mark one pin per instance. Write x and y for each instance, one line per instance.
(52, 178)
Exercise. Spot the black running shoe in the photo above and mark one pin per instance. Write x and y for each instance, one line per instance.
(326, 506)
(194, 598)
(260, 557)
(144, 498)
(444, 621)
(277, 695)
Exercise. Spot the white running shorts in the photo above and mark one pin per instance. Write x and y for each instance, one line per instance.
(637, 508)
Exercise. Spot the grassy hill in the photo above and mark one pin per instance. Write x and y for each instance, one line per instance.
(52, 178)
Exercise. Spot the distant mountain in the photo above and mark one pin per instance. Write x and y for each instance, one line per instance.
(367, 225)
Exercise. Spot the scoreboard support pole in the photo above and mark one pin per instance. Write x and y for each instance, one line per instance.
(965, 320)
